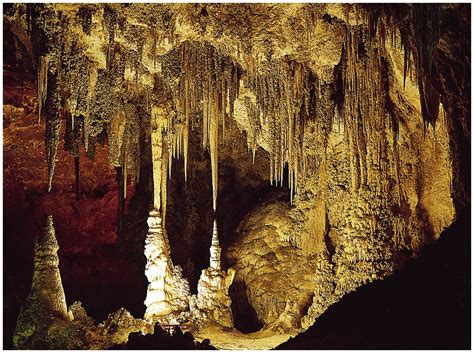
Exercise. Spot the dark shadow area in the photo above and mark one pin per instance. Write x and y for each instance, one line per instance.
(426, 305)
(245, 317)
(163, 340)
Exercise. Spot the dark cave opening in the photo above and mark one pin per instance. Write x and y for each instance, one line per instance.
(245, 318)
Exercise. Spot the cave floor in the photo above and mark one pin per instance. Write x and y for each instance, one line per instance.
(232, 339)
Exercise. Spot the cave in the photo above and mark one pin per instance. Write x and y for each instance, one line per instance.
(236, 176)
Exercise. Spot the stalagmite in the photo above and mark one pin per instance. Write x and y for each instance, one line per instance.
(158, 269)
(213, 300)
(47, 301)
(215, 251)
(47, 287)
(168, 291)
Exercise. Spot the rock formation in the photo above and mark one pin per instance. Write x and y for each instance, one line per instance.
(358, 113)
(47, 301)
(45, 322)
(168, 291)
(213, 288)
(119, 325)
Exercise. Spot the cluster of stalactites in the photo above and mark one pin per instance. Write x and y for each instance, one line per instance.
(418, 26)
(286, 97)
(208, 85)
(366, 101)
(65, 86)
(160, 126)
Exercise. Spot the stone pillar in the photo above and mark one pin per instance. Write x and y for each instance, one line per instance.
(158, 269)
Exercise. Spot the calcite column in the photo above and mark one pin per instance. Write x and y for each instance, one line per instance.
(168, 291)
(158, 269)
(213, 287)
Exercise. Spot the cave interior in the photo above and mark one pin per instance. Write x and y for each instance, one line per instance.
(236, 176)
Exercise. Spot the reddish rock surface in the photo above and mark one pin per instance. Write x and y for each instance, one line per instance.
(91, 267)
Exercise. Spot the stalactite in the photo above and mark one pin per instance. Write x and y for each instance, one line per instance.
(124, 169)
(42, 84)
(53, 124)
(364, 73)
(285, 96)
(213, 144)
(158, 121)
(208, 84)
(164, 172)
(121, 200)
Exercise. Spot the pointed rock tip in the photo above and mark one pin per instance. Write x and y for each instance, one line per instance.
(49, 221)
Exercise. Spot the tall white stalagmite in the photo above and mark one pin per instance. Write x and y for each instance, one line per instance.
(158, 269)
(213, 287)
(215, 260)
(167, 292)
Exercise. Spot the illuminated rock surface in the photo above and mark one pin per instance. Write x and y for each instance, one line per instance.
(46, 302)
(158, 270)
(330, 143)
(213, 288)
